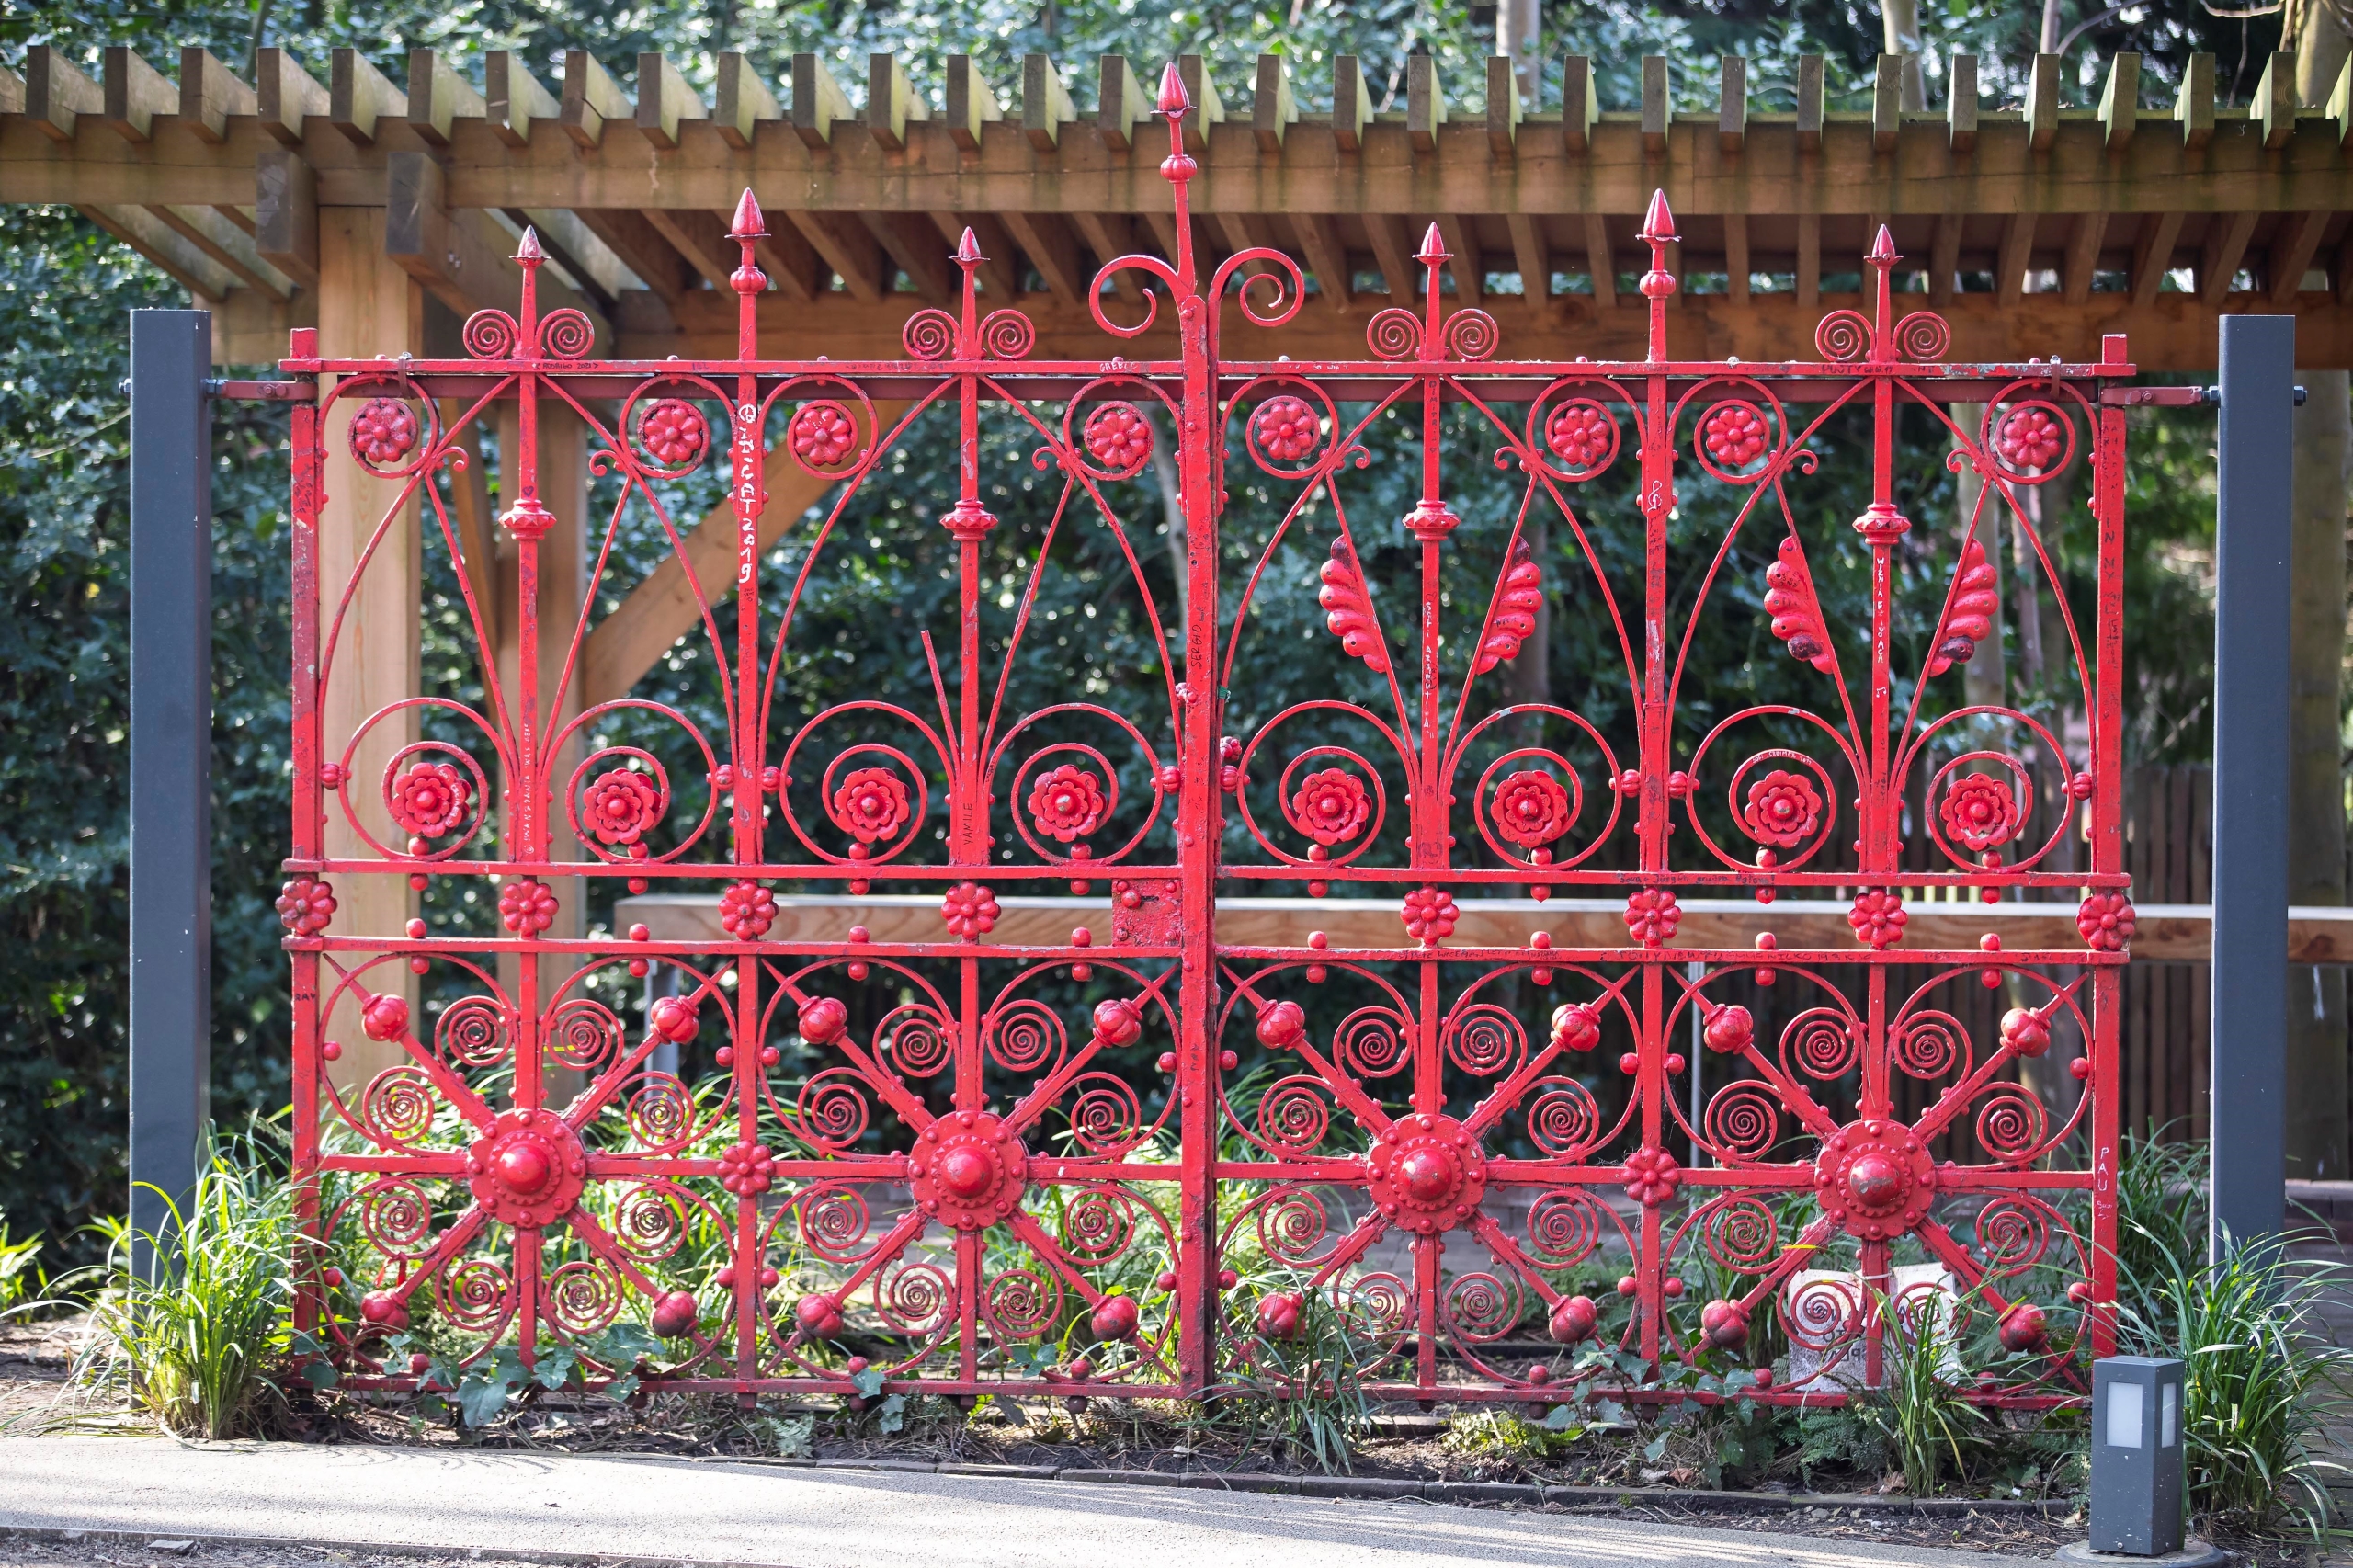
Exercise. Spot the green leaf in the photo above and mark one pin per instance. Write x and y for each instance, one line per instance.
(869, 1382)
(480, 1401)
(895, 1415)
(1655, 1449)
(621, 1387)
(554, 1368)
(321, 1374)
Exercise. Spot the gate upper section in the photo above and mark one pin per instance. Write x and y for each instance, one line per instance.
(1432, 627)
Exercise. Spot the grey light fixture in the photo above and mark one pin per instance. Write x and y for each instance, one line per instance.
(2136, 1491)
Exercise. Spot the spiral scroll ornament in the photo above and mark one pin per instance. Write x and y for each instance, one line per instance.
(1564, 1227)
(1563, 1119)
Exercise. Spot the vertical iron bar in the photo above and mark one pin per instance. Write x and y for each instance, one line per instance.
(2253, 481)
(171, 765)
(2107, 845)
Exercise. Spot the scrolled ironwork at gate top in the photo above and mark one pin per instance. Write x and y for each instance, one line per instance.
(1147, 1162)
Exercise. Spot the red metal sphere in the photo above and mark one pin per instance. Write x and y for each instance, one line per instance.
(384, 1310)
(1576, 1026)
(1278, 1314)
(1574, 1319)
(819, 1315)
(1724, 1325)
(2026, 1031)
(1115, 1318)
(823, 1020)
(1429, 1174)
(2023, 1328)
(1875, 1178)
(673, 1315)
(968, 1170)
(1117, 1022)
(527, 1168)
(674, 1018)
(385, 1016)
(1730, 1029)
(1282, 1026)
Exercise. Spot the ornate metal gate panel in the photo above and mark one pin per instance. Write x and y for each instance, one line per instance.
(1145, 1161)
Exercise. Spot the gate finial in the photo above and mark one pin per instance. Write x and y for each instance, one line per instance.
(1658, 283)
(749, 281)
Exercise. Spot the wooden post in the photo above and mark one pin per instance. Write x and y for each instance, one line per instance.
(368, 306)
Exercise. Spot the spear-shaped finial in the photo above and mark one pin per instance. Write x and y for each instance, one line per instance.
(530, 257)
(747, 229)
(1658, 284)
(1178, 169)
(748, 223)
(1174, 100)
(1432, 256)
(1881, 261)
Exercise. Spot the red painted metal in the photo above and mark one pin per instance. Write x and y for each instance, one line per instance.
(962, 1193)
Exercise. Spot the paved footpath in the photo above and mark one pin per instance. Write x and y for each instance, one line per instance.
(723, 1513)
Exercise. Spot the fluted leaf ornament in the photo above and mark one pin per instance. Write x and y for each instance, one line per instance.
(1968, 619)
(1790, 600)
(1513, 619)
(1347, 610)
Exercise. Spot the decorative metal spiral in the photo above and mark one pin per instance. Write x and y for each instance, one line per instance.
(1823, 1043)
(1562, 1120)
(2011, 1124)
(834, 1222)
(473, 1032)
(1743, 1122)
(1292, 1226)
(566, 335)
(915, 1297)
(661, 1112)
(1741, 1234)
(1480, 1308)
(1928, 1045)
(1373, 1042)
(649, 1224)
(916, 1041)
(1923, 336)
(1843, 337)
(1293, 1115)
(585, 1297)
(2013, 1236)
(398, 1103)
(1024, 1036)
(1564, 1227)
(397, 1220)
(1022, 1304)
(1007, 335)
(1394, 334)
(585, 1034)
(491, 334)
(473, 1293)
(832, 1111)
(1484, 1039)
(929, 335)
(1471, 334)
(1105, 1118)
(1380, 1305)
(1097, 1225)
(1820, 1314)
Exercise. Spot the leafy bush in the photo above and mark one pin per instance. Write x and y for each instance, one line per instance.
(194, 1342)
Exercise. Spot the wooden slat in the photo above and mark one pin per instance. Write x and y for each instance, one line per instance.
(1503, 107)
(2009, 268)
(591, 97)
(2153, 256)
(700, 238)
(57, 94)
(1657, 107)
(285, 214)
(2291, 253)
(892, 103)
(792, 263)
(1737, 267)
(818, 102)
(2218, 257)
(1535, 256)
(1045, 103)
(178, 259)
(513, 99)
(1944, 259)
(2193, 105)
(1464, 262)
(665, 103)
(1809, 261)
(1392, 251)
(225, 241)
(1046, 241)
(1273, 111)
(644, 251)
(1208, 109)
(1107, 234)
(743, 103)
(135, 93)
(1327, 258)
(1000, 268)
(1120, 103)
(1425, 103)
(285, 95)
(209, 93)
(2120, 101)
(849, 249)
(2273, 107)
(437, 97)
(911, 241)
(1351, 103)
(358, 95)
(1732, 105)
(2083, 257)
(2042, 103)
(1580, 105)
(1960, 105)
(970, 106)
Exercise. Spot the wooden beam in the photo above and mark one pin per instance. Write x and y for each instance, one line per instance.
(437, 97)
(1045, 103)
(1736, 265)
(2193, 107)
(700, 238)
(916, 249)
(792, 263)
(1120, 103)
(285, 214)
(461, 258)
(1887, 103)
(850, 248)
(1732, 106)
(1944, 259)
(2120, 101)
(1600, 260)
(358, 95)
(574, 245)
(209, 93)
(1810, 99)
(1960, 105)
(513, 99)
(225, 241)
(643, 250)
(1000, 269)
(2042, 103)
(591, 97)
(2153, 256)
(2218, 257)
(56, 93)
(1392, 251)
(1658, 109)
(2009, 265)
(665, 102)
(1503, 107)
(368, 307)
(1535, 257)
(1208, 107)
(1425, 103)
(174, 255)
(2082, 257)
(1273, 112)
(1351, 103)
(892, 103)
(285, 95)
(1580, 105)
(818, 102)
(1107, 234)
(1464, 260)
(744, 102)
(1046, 240)
(2340, 104)
(1809, 261)
(1327, 259)
(12, 92)
(970, 104)
(665, 605)
(135, 93)
(2273, 108)
(2167, 932)
(2291, 253)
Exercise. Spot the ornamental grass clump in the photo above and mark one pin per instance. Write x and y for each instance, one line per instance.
(193, 1341)
(2263, 1380)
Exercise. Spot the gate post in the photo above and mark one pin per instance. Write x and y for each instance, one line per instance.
(171, 764)
(2255, 472)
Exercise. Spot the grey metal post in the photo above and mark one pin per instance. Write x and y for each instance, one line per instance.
(2254, 480)
(171, 761)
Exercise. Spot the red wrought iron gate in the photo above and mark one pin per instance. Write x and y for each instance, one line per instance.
(1147, 1161)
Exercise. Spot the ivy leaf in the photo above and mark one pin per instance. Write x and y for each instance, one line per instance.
(1655, 1449)
(895, 1415)
(869, 1382)
(481, 1400)
(321, 1374)
(555, 1365)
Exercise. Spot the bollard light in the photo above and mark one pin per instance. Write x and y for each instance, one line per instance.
(2136, 1456)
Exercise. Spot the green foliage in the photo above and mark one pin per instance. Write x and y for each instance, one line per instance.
(194, 1342)
(2264, 1381)
(1930, 1431)
(20, 1271)
(2160, 1215)
(1305, 1393)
